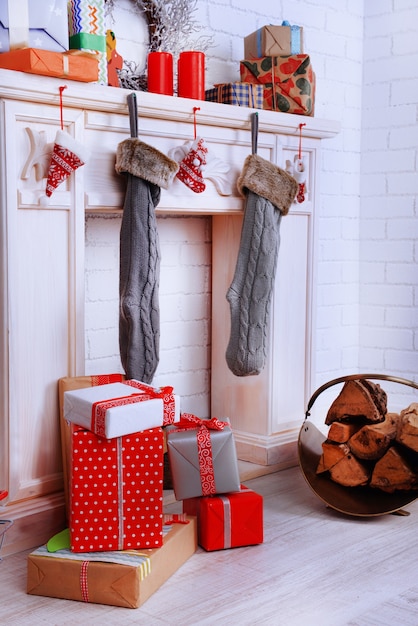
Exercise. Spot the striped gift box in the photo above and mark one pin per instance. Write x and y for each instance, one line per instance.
(240, 94)
(87, 30)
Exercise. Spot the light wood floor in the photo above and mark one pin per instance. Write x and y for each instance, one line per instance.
(316, 567)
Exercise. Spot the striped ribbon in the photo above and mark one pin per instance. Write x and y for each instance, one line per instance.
(84, 583)
(119, 453)
(144, 570)
(227, 521)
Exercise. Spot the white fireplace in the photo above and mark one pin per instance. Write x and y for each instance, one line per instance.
(47, 317)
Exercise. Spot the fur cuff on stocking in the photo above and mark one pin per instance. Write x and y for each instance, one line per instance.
(268, 181)
(142, 160)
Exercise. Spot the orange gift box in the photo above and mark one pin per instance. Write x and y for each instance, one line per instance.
(72, 65)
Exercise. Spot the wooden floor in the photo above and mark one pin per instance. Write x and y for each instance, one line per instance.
(316, 566)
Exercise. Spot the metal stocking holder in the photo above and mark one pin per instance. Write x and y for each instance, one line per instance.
(357, 501)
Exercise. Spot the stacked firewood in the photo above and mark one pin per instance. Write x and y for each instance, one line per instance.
(366, 445)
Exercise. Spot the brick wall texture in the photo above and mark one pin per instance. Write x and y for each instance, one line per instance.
(365, 55)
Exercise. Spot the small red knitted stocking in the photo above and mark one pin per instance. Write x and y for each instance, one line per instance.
(67, 156)
(190, 168)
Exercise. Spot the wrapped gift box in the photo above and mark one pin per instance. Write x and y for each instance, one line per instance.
(34, 24)
(82, 67)
(229, 520)
(121, 408)
(116, 491)
(203, 458)
(115, 578)
(67, 384)
(272, 41)
(87, 30)
(241, 94)
(290, 78)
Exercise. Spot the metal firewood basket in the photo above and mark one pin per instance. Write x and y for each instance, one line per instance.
(357, 501)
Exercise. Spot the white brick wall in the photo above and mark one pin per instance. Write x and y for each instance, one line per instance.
(184, 304)
(367, 280)
(388, 219)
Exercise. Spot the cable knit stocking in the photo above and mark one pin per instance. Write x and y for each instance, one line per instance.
(147, 170)
(269, 192)
(139, 319)
(249, 295)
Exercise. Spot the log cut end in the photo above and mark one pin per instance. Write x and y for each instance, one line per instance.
(358, 401)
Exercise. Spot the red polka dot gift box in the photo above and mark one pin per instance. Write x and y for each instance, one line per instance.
(68, 383)
(116, 491)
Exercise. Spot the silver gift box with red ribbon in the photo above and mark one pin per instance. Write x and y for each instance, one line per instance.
(203, 458)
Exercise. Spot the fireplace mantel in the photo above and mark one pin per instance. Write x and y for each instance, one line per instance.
(42, 271)
(44, 90)
(98, 117)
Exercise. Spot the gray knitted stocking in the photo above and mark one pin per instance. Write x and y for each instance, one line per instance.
(147, 170)
(249, 295)
(269, 192)
(139, 319)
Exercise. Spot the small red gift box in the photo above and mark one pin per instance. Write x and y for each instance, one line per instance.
(226, 521)
(116, 491)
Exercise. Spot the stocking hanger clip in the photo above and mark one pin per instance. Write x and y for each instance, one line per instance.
(133, 114)
(254, 132)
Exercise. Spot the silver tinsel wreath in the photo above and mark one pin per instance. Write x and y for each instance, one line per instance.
(172, 28)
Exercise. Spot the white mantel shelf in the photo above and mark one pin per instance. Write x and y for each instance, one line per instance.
(44, 90)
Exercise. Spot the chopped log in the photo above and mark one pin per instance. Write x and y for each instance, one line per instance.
(392, 472)
(350, 472)
(358, 401)
(372, 440)
(332, 453)
(340, 432)
(408, 427)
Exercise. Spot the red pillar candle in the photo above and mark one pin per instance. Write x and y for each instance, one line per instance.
(160, 73)
(191, 75)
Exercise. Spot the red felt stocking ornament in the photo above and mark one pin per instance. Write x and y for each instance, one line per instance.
(190, 168)
(193, 162)
(67, 156)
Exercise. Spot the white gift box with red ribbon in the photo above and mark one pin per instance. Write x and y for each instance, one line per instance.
(119, 409)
